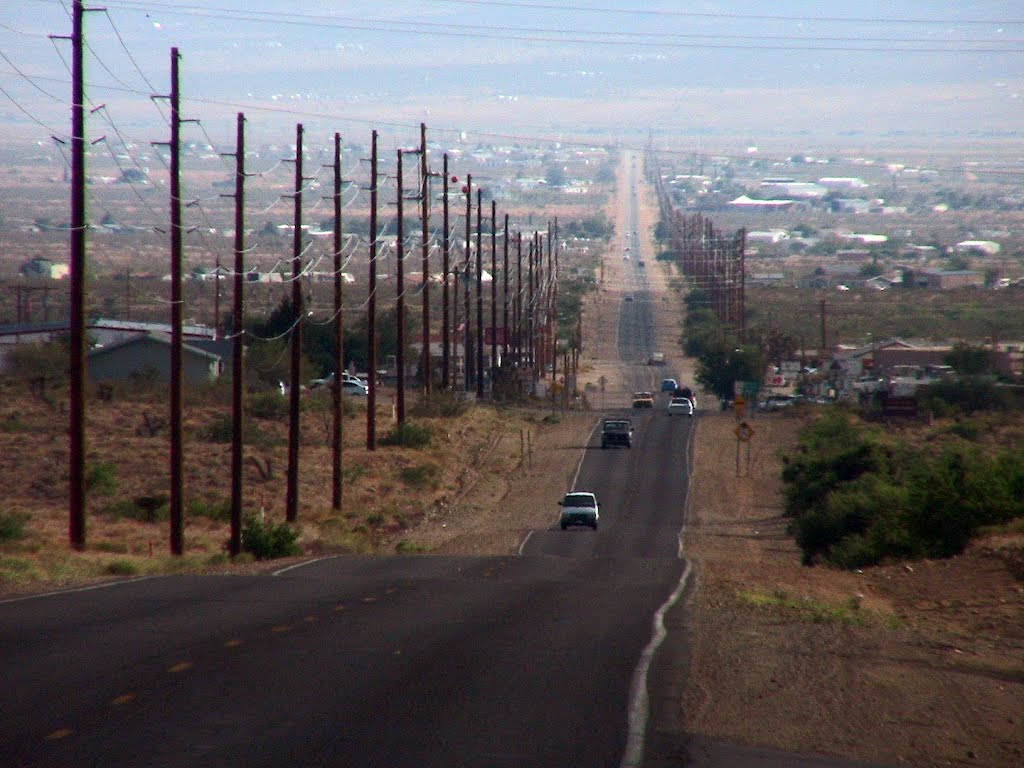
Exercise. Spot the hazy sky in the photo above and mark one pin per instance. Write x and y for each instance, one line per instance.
(945, 71)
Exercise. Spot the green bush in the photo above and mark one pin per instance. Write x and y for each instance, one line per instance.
(214, 510)
(12, 526)
(856, 500)
(271, 406)
(145, 509)
(421, 475)
(101, 479)
(121, 568)
(409, 435)
(445, 404)
(266, 540)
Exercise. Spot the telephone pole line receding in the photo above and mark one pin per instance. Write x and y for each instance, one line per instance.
(479, 294)
(445, 296)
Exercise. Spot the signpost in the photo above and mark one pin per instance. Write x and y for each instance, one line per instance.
(744, 433)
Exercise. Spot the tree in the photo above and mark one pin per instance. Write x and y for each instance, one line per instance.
(968, 360)
(724, 362)
(555, 176)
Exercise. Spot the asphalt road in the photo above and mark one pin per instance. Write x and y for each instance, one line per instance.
(550, 658)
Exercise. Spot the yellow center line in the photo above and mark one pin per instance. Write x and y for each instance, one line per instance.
(234, 643)
(124, 698)
(181, 666)
(311, 619)
(370, 599)
(60, 733)
(339, 607)
(282, 628)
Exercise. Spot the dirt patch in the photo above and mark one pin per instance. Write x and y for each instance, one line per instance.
(913, 663)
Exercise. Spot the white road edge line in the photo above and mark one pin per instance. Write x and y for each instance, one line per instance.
(304, 564)
(108, 585)
(639, 699)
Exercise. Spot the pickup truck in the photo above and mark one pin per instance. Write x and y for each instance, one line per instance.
(617, 432)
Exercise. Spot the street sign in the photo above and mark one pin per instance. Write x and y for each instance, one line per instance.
(744, 431)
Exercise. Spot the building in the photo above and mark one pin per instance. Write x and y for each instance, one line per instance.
(147, 356)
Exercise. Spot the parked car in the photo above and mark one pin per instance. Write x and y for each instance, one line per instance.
(579, 508)
(680, 405)
(669, 385)
(643, 400)
(357, 388)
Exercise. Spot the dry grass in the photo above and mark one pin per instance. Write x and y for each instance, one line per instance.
(392, 496)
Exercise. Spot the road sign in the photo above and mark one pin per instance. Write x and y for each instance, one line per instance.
(744, 431)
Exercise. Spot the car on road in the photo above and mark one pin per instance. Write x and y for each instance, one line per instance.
(617, 432)
(681, 406)
(669, 385)
(656, 358)
(627, 297)
(643, 400)
(579, 508)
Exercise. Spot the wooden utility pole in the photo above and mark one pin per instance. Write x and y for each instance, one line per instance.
(294, 404)
(400, 301)
(371, 307)
(425, 364)
(237, 369)
(339, 337)
(76, 409)
(504, 320)
(824, 342)
(177, 474)
(479, 295)
(445, 297)
(494, 293)
(469, 357)
(517, 310)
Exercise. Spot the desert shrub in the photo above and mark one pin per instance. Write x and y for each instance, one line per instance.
(221, 430)
(121, 568)
(406, 547)
(421, 475)
(445, 404)
(968, 394)
(271, 406)
(101, 479)
(856, 502)
(145, 509)
(12, 526)
(409, 435)
(266, 540)
(214, 510)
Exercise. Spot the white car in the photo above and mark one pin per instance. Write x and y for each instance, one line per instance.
(355, 387)
(579, 508)
(681, 406)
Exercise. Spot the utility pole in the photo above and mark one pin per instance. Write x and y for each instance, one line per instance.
(339, 336)
(76, 410)
(425, 246)
(504, 321)
(177, 474)
(479, 295)
(824, 343)
(469, 357)
(494, 293)
(371, 307)
(292, 492)
(517, 309)
(237, 369)
(445, 266)
(400, 302)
